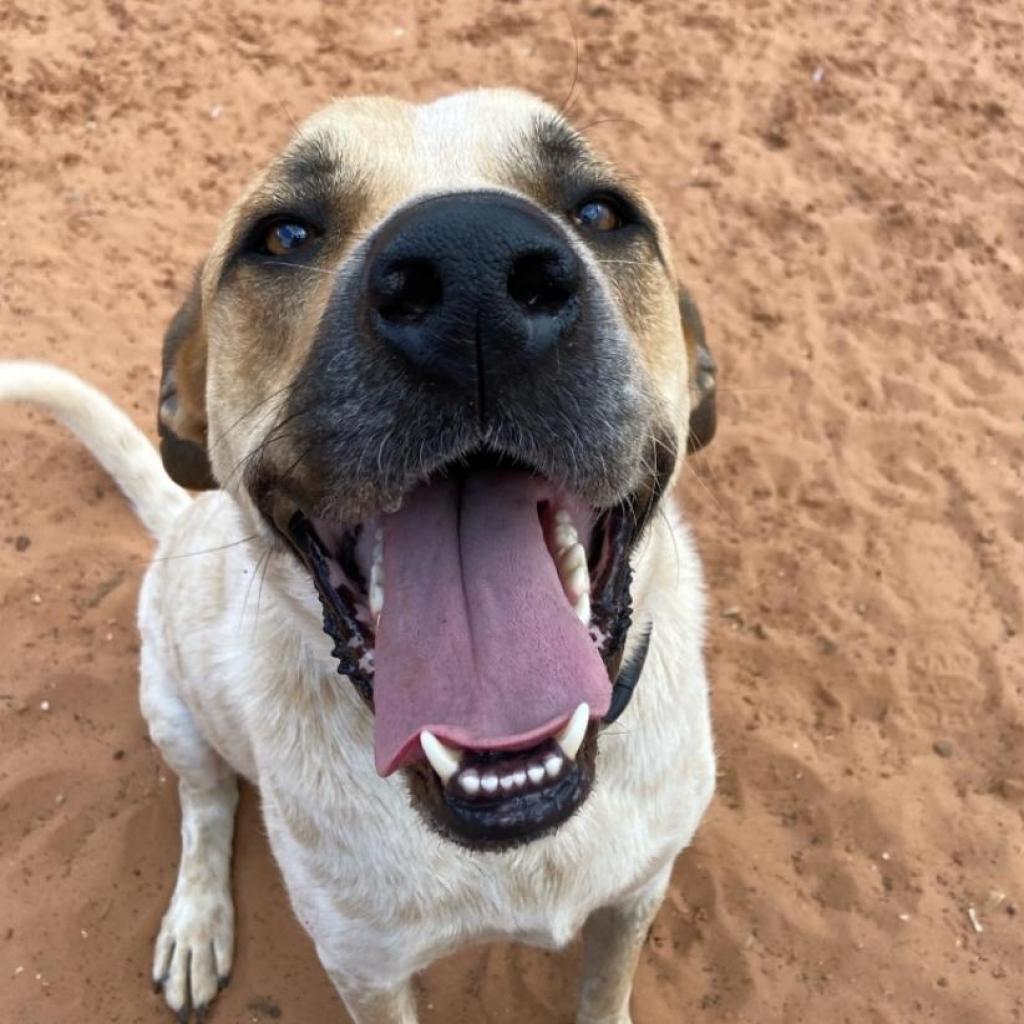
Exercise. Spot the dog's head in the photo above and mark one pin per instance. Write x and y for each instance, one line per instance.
(440, 351)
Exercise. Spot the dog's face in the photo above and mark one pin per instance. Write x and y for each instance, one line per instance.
(439, 352)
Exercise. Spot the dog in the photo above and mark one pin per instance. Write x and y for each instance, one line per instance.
(436, 381)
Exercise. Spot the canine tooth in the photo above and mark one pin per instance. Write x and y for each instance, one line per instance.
(507, 782)
(553, 764)
(581, 606)
(489, 783)
(442, 758)
(519, 777)
(563, 515)
(571, 736)
(536, 774)
(470, 782)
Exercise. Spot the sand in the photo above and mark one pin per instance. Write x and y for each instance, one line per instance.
(843, 182)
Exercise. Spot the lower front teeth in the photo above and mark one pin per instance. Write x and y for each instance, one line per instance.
(472, 783)
(447, 761)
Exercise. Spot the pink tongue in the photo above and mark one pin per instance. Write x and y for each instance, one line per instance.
(477, 641)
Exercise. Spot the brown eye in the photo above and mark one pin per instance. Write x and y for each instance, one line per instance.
(597, 215)
(285, 237)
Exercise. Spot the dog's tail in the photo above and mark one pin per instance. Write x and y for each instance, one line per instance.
(121, 448)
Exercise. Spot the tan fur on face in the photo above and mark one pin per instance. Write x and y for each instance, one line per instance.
(363, 158)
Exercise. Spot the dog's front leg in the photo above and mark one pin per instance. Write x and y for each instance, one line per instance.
(612, 939)
(376, 1006)
(194, 949)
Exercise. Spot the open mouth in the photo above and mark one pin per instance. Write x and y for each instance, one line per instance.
(483, 619)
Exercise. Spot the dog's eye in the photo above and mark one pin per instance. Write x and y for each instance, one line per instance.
(284, 237)
(598, 214)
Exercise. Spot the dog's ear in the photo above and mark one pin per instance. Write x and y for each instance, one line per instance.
(181, 414)
(703, 375)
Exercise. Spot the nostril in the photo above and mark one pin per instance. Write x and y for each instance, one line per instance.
(542, 283)
(406, 293)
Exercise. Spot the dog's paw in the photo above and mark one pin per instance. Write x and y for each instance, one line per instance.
(192, 962)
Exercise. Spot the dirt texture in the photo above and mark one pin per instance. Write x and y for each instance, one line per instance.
(844, 183)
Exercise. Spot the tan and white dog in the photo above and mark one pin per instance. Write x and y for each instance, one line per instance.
(437, 378)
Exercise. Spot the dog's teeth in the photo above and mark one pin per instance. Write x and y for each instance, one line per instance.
(536, 774)
(507, 782)
(578, 583)
(376, 596)
(571, 736)
(553, 765)
(575, 577)
(470, 782)
(563, 515)
(581, 606)
(573, 558)
(565, 537)
(519, 777)
(376, 585)
(489, 783)
(442, 758)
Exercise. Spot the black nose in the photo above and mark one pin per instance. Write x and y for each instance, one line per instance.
(471, 288)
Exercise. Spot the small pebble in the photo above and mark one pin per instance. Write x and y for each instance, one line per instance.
(21, 542)
(944, 748)
(36, 599)
(44, 705)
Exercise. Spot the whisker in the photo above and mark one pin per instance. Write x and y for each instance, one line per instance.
(245, 415)
(612, 120)
(563, 107)
(202, 551)
(264, 556)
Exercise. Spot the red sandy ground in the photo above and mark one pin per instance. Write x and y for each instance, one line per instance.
(843, 182)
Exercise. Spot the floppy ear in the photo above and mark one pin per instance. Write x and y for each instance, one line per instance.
(703, 375)
(181, 414)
